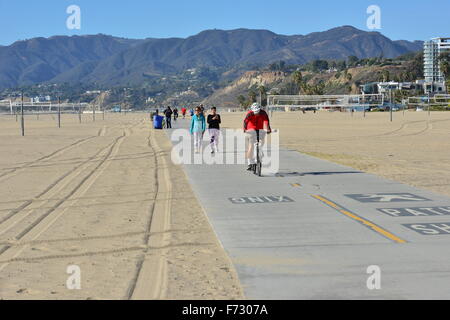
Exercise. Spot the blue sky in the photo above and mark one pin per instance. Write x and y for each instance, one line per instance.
(400, 19)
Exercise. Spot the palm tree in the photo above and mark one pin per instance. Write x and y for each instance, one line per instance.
(444, 64)
(241, 99)
(445, 68)
(319, 89)
(262, 91)
(306, 88)
(386, 75)
(252, 96)
(298, 78)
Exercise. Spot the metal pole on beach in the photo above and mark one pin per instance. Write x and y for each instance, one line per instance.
(390, 99)
(79, 111)
(22, 120)
(59, 112)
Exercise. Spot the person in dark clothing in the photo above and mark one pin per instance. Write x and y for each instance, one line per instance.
(168, 113)
(175, 114)
(214, 129)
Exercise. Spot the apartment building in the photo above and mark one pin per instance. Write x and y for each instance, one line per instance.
(432, 51)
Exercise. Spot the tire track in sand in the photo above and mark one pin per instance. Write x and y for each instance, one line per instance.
(10, 173)
(6, 223)
(150, 279)
(43, 222)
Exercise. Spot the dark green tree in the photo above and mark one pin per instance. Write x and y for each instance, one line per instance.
(352, 61)
(242, 101)
(444, 64)
(252, 96)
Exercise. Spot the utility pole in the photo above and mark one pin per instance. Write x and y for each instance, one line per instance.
(22, 120)
(79, 111)
(93, 113)
(404, 105)
(59, 112)
(390, 99)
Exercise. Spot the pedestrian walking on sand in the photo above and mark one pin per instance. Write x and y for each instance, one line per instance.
(198, 127)
(214, 129)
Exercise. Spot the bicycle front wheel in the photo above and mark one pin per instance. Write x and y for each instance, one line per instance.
(258, 168)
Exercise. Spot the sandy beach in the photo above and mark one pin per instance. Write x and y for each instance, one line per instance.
(413, 149)
(105, 197)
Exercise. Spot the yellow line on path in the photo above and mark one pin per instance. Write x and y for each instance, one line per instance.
(367, 223)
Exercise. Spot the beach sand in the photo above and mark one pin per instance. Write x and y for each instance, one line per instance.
(413, 149)
(104, 196)
(91, 195)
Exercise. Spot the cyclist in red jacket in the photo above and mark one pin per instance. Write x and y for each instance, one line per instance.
(255, 120)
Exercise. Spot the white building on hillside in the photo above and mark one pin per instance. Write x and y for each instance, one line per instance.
(432, 50)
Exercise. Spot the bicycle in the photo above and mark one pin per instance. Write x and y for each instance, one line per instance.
(257, 168)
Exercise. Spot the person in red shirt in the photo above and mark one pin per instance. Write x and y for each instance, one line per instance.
(183, 112)
(255, 120)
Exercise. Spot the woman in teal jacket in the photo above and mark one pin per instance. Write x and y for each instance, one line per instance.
(198, 127)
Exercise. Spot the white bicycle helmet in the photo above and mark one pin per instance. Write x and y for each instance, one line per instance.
(256, 108)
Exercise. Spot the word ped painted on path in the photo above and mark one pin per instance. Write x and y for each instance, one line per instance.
(416, 211)
(430, 229)
(260, 199)
(386, 197)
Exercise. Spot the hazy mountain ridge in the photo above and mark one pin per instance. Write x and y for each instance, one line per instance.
(42, 59)
(113, 61)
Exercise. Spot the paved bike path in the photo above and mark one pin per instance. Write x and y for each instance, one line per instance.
(312, 230)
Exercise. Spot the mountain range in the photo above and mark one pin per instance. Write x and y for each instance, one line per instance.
(109, 60)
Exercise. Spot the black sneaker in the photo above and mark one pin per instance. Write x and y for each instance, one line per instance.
(250, 167)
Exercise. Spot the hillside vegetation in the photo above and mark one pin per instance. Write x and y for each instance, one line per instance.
(317, 77)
